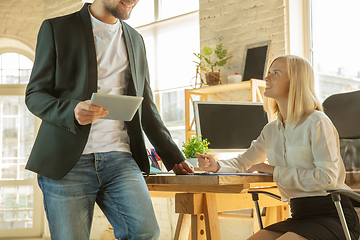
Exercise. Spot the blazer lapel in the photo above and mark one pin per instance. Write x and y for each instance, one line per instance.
(129, 48)
(91, 58)
(91, 52)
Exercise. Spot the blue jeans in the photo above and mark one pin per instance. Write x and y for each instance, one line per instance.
(114, 181)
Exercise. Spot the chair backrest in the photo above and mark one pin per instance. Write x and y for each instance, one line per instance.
(344, 111)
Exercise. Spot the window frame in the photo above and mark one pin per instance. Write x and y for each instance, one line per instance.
(298, 28)
(153, 30)
(37, 229)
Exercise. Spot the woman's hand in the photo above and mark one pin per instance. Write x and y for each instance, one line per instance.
(207, 162)
(261, 168)
(86, 113)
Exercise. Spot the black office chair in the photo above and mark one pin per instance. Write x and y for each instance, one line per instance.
(255, 198)
(344, 111)
(335, 195)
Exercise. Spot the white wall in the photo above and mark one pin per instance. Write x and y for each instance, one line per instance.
(237, 23)
(21, 19)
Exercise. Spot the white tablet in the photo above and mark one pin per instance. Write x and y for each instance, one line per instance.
(120, 107)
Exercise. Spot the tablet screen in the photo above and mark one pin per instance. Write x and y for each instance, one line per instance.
(120, 107)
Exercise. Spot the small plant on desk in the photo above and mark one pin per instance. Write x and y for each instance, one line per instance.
(195, 145)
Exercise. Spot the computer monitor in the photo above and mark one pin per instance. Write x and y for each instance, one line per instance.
(229, 126)
(256, 60)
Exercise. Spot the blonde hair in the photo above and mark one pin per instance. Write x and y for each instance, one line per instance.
(302, 100)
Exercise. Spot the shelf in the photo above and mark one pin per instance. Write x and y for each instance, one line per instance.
(228, 87)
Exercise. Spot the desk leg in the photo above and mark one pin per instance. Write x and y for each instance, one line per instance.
(182, 227)
(198, 227)
(211, 217)
(204, 215)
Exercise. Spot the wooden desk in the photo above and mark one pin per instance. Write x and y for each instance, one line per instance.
(199, 198)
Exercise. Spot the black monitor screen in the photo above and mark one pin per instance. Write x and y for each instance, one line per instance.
(229, 126)
(256, 57)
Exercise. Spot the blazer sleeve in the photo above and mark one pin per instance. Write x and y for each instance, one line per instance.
(41, 97)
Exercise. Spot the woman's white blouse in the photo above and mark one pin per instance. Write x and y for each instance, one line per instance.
(306, 157)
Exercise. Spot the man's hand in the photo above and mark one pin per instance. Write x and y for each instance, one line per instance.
(183, 168)
(86, 113)
(261, 168)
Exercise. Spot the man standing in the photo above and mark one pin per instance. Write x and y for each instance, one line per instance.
(81, 159)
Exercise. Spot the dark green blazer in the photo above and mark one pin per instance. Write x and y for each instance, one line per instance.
(65, 73)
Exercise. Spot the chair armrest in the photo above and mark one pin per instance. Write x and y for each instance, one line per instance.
(252, 192)
(349, 193)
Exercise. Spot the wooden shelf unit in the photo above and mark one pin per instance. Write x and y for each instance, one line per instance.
(251, 91)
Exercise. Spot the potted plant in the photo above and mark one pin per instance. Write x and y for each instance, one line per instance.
(195, 145)
(208, 63)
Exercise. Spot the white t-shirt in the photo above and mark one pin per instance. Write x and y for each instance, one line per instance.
(113, 65)
(306, 158)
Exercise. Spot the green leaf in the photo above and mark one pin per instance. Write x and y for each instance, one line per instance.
(207, 60)
(198, 55)
(210, 65)
(195, 145)
(222, 62)
(207, 51)
(218, 48)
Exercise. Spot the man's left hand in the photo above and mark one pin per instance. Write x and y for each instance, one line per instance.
(183, 168)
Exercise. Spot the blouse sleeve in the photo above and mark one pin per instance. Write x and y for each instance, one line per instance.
(327, 160)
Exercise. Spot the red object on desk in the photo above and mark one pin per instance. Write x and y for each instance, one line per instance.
(154, 158)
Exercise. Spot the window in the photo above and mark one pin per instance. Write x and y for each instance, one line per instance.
(171, 33)
(20, 203)
(335, 45)
(14, 68)
(148, 12)
(142, 14)
(171, 8)
(172, 110)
